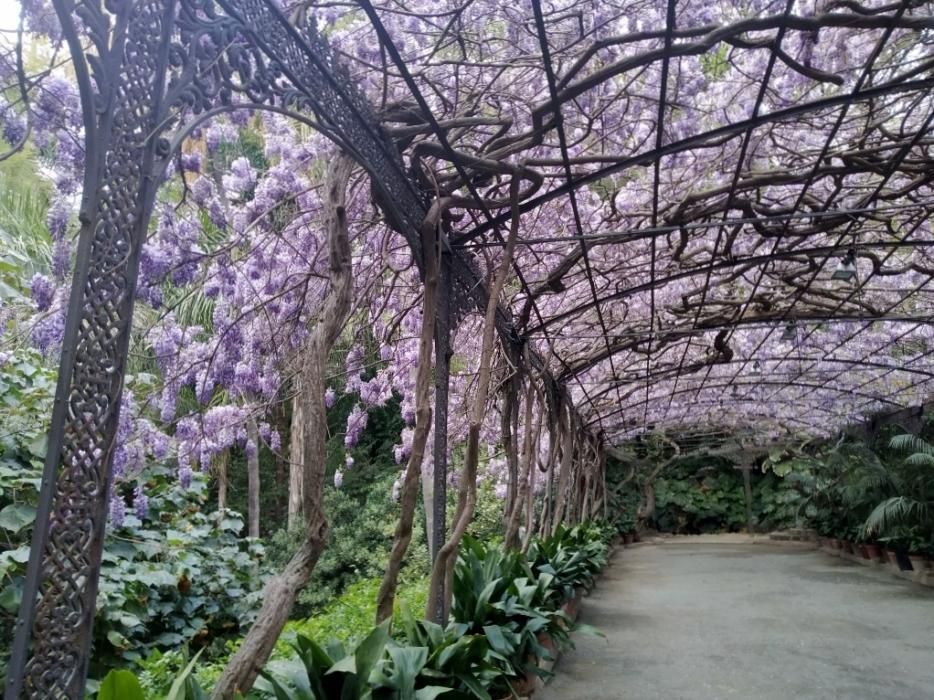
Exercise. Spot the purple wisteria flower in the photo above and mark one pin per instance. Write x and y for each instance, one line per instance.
(356, 424)
(191, 162)
(241, 177)
(219, 133)
(184, 476)
(202, 190)
(117, 510)
(12, 125)
(61, 258)
(140, 502)
(43, 291)
(48, 332)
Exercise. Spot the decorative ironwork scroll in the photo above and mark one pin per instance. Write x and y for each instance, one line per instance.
(160, 67)
(59, 595)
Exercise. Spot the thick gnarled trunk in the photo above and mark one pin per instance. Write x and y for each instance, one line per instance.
(439, 589)
(409, 495)
(280, 593)
(529, 447)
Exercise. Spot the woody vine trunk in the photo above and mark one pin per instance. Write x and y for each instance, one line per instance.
(279, 595)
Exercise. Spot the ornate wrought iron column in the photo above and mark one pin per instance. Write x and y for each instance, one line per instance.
(57, 609)
(155, 70)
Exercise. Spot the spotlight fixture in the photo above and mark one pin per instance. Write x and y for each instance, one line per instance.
(757, 367)
(846, 268)
(790, 332)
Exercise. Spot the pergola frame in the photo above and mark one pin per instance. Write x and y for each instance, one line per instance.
(161, 67)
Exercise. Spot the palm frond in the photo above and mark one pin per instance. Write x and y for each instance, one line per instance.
(895, 512)
(192, 309)
(911, 443)
(920, 459)
(25, 244)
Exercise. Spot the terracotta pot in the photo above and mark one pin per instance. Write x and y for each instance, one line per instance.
(628, 538)
(524, 685)
(572, 606)
(548, 642)
(835, 543)
(872, 551)
(863, 552)
(848, 547)
(892, 557)
(917, 561)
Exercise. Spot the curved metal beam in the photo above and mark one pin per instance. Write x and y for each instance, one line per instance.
(751, 261)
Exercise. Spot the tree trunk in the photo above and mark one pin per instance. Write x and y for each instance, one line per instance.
(508, 428)
(221, 461)
(296, 467)
(403, 534)
(566, 435)
(511, 539)
(279, 595)
(544, 524)
(252, 479)
(282, 468)
(442, 571)
(647, 508)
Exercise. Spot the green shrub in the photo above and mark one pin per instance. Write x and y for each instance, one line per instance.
(351, 615)
(180, 576)
(359, 542)
(496, 593)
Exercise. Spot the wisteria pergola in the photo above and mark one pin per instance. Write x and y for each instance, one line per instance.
(726, 216)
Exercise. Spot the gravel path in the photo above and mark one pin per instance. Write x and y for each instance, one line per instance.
(708, 620)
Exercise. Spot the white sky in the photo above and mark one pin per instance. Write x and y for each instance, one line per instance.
(9, 14)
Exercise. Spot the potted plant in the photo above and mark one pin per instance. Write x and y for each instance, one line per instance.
(896, 550)
(859, 545)
(873, 551)
(916, 546)
(905, 516)
(627, 528)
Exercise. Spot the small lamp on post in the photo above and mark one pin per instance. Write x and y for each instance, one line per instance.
(846, 268)
(791, 331)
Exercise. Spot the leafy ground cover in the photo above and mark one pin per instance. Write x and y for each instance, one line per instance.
(506, 614)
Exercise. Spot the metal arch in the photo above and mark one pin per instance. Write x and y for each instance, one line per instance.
(170, 60)
(153, 72)
(668, 372)
(620, 163)
(737, 262)
(60, 591)
(163, 66)
(585, 363)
